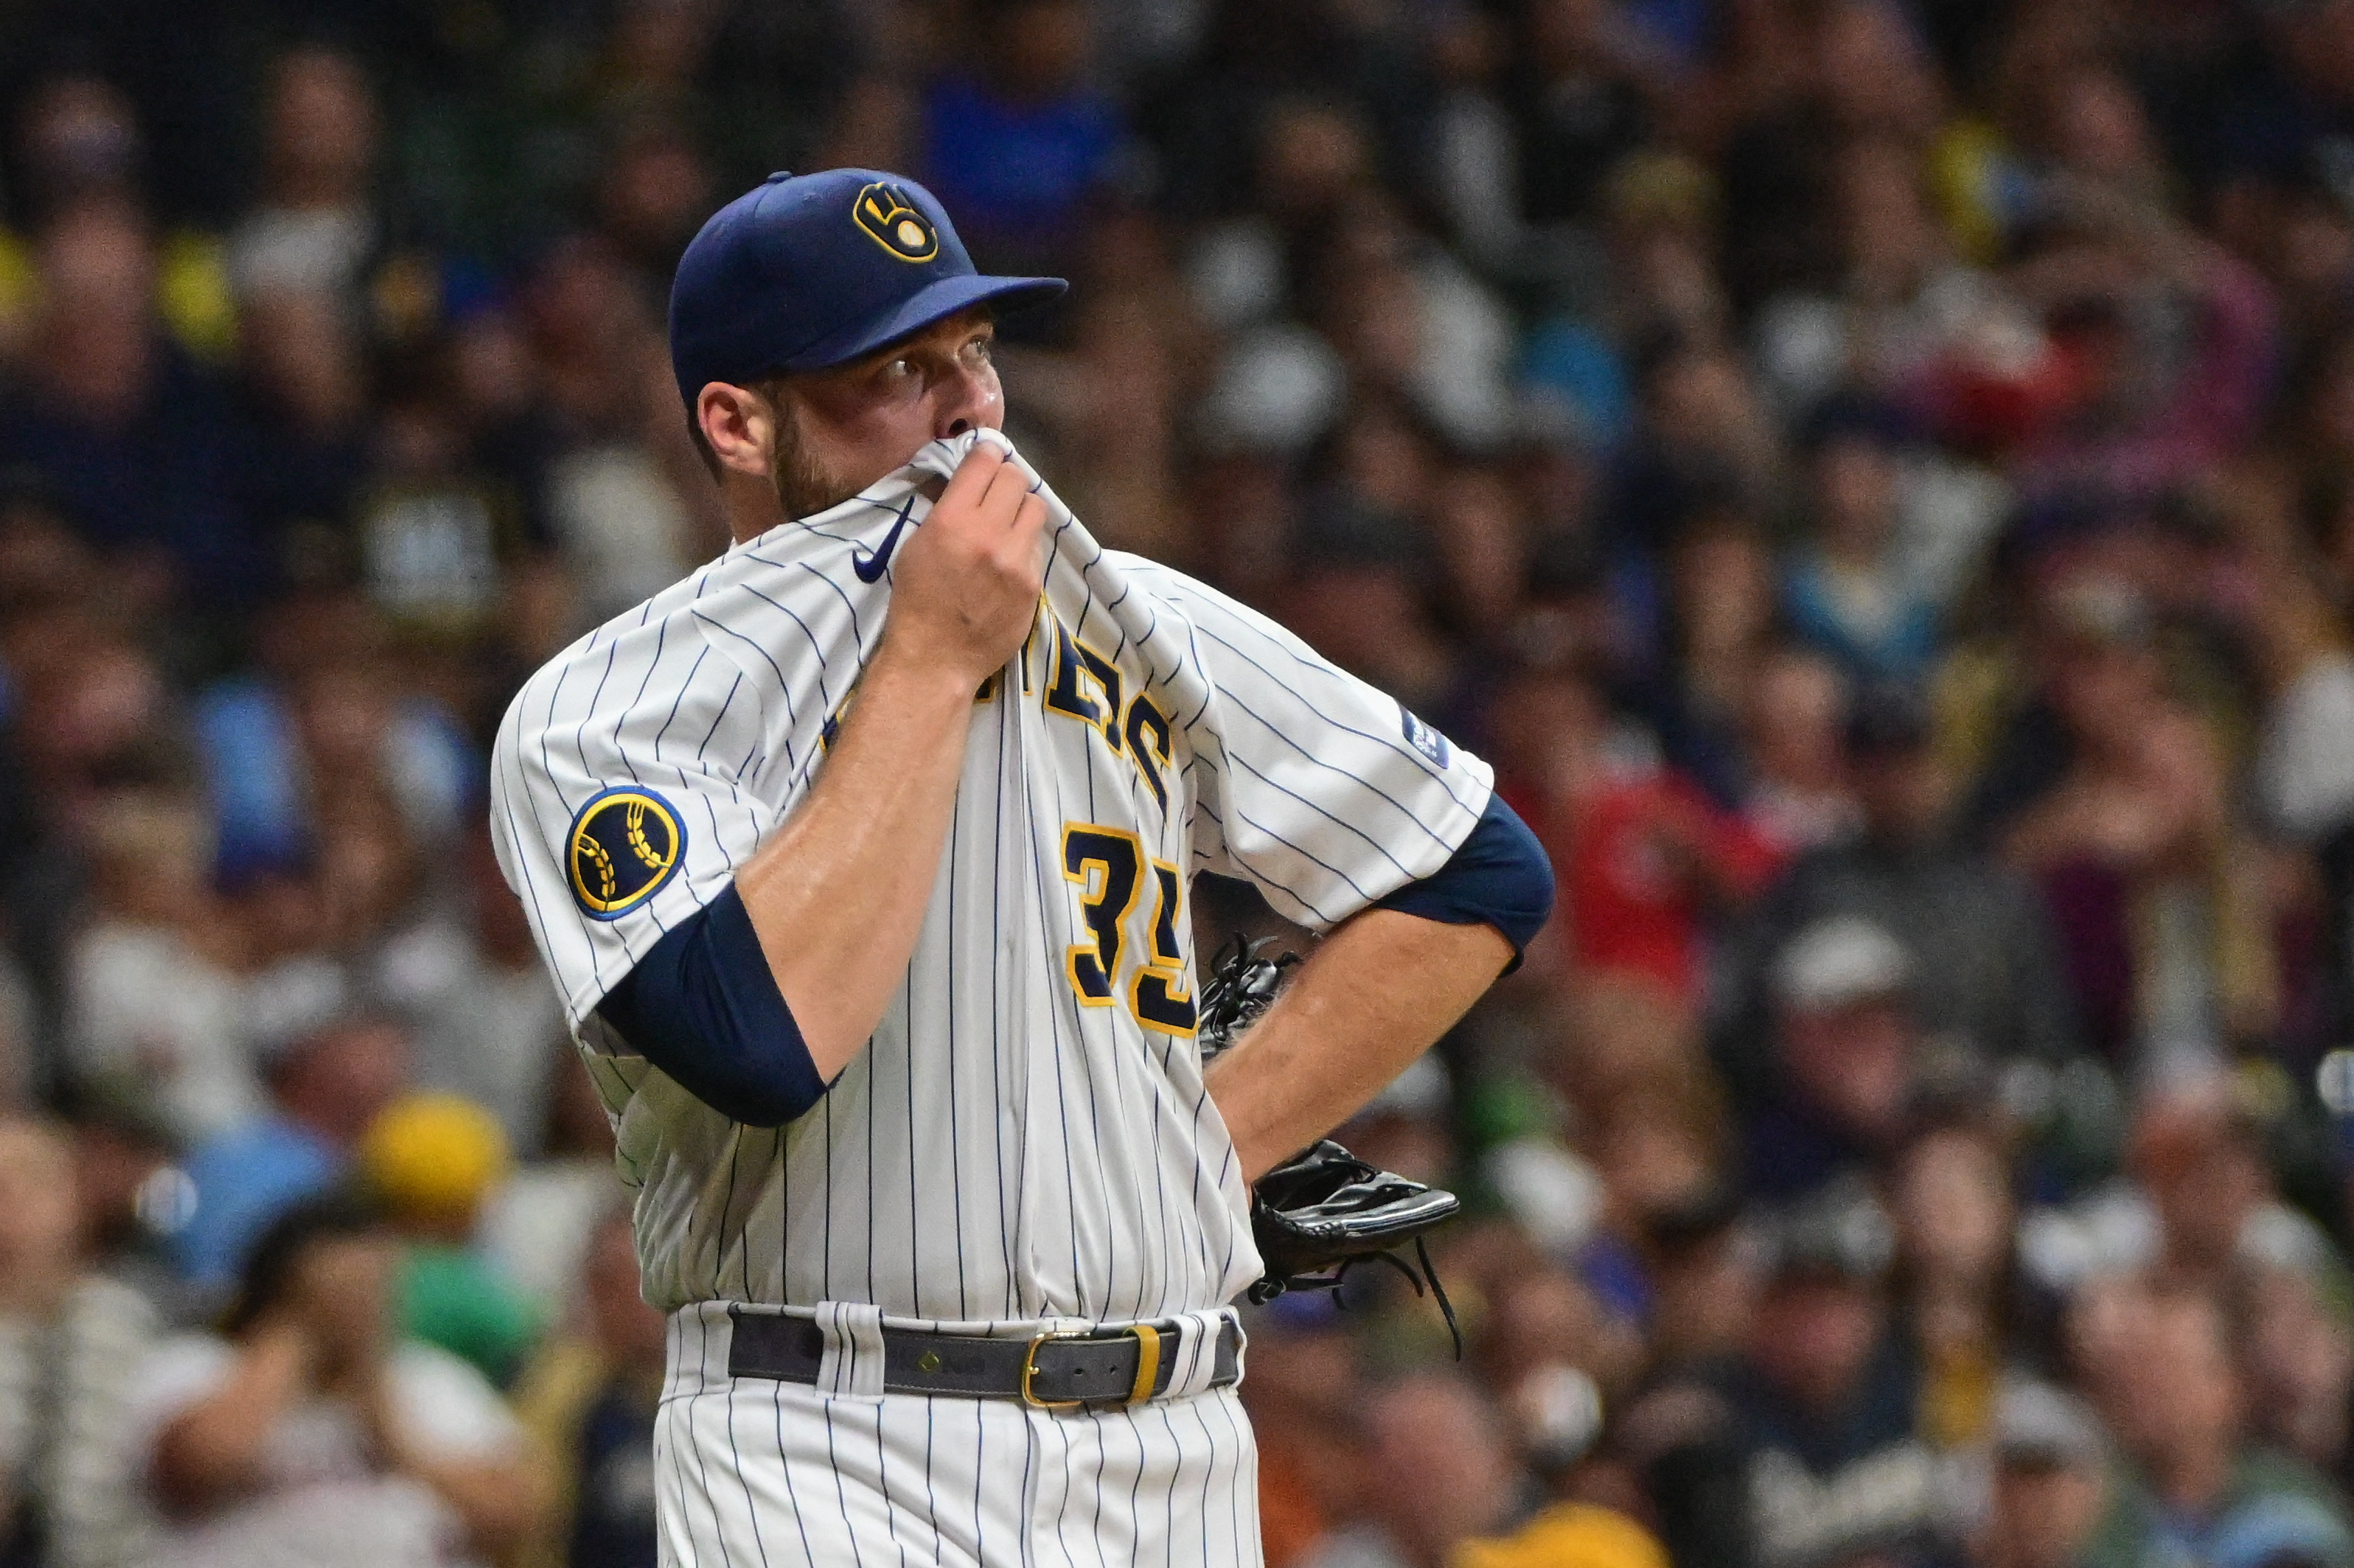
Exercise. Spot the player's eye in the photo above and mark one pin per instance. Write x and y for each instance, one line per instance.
(900, 377)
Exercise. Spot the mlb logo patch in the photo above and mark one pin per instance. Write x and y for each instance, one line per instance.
(1424, 738)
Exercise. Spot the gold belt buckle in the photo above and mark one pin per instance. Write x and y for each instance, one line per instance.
(1148, 1366)
(1030, 1370)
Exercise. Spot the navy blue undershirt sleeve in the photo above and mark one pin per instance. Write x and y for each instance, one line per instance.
(1499, 877)
(704, 1006)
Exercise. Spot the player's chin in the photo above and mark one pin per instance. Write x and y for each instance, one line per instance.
(804, 489)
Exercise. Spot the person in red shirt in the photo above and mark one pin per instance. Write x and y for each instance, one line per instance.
(1643, 857)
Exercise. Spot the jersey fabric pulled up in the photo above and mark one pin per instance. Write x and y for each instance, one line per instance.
(1026, 1136)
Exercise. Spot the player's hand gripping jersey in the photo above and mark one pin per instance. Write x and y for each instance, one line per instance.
(1026, 1136)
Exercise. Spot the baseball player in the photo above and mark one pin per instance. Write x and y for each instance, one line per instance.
(861, 857)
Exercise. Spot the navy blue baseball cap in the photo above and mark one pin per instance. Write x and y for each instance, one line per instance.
(808, 271)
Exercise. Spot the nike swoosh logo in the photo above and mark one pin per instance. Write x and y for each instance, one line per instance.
(871, 567)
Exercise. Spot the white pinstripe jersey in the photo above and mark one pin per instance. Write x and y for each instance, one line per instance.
(1026, 1135)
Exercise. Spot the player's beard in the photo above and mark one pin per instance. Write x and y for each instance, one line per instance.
(803, 486)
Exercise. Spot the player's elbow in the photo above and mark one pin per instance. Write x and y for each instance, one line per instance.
(702, 1006)
(1524, 874)
(1499, 877)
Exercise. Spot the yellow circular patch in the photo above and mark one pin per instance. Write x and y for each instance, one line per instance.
(624, 844)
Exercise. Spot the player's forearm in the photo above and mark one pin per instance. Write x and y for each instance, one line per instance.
(837, 897)
(1371, 998)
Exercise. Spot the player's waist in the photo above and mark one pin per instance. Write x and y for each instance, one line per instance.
(851, 1348)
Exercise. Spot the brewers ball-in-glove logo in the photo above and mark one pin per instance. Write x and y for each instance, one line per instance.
(625, 844)
(890, 218)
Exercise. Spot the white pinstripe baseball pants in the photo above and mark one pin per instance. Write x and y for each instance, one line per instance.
(756, 1474)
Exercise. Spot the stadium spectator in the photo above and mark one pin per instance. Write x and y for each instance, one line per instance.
(1025, 144)
(486, 1022)
(588, 1399)
(152, 996)
(311, 1432)
(536, 1226)
(71, 1345)
(328, 1081)
(1993, 988)
(315, 231)
(1809, 1448)
(1857, 589)
(1463, 1485)
(1846, 1067)
(142, 444)
(431, 1160)
(2051, 1465)
(2195, 1484)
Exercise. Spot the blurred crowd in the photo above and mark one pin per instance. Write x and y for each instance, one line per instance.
(1876, 478)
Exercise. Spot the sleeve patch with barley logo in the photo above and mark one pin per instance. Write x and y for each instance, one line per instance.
(624, 844)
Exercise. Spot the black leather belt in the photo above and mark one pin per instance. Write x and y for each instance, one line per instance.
(1109, 1366)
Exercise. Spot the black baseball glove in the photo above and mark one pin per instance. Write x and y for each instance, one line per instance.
(1323, 1210)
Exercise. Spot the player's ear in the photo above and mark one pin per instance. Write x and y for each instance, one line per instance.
(739, 424)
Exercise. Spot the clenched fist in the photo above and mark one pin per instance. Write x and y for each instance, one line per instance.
(965, 587)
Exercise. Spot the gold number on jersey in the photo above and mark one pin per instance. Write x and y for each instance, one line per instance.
(1105, 866)
(1157, 995)
(1103, 863)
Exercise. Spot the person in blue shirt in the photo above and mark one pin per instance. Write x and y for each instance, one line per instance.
(1852, 588)
(1019, 150)
(327, 1082)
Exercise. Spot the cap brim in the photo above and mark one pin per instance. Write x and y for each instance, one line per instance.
(934, 303)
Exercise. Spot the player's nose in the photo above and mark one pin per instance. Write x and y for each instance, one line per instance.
(968, 399)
